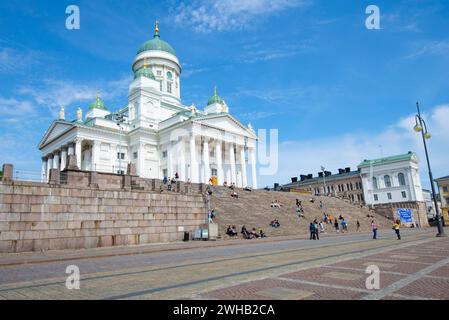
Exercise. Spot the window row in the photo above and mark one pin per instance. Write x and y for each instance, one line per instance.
(390, 197)
(388, 182)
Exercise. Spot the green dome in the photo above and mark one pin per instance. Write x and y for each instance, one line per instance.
(144, 72)
(215, 98)
(98, 104)
(156, 44)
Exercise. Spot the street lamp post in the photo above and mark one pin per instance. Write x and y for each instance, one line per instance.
(324, 179)
(421, 126)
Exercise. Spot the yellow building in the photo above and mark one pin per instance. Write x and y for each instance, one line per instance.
(443, 186)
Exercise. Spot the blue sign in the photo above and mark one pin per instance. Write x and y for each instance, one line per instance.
(405, 215)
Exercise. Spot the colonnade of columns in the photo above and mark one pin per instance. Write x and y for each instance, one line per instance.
(58, 158)
(229, 166)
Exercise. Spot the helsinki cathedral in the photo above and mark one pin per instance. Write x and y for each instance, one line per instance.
(155, 131)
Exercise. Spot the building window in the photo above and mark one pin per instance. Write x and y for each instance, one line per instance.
(159, 72)
(160, 85)
(169, 75)
(168, 86)
(120, 172)
(351, 186)
(389, 195)
(214, 172)
(401, 179)
(375, 185)
(404, 195)
(164, 154)
(376, 198)
(445, 189)
(121, 155)
(135, 155)
(387, 181)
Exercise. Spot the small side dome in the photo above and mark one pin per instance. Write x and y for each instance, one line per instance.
(98, 104)
(215, 98)
(144, 72)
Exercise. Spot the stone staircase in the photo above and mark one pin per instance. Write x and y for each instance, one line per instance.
(252, 209)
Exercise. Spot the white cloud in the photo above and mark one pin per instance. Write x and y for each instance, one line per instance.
(53, 93)
(307, 155)
(430, 48)
(223, 15)
(13, 60)
(257, 115)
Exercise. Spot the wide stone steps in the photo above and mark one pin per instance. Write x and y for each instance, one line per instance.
(252, 209)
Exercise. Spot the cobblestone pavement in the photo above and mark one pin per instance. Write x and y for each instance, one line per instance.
(417, 267)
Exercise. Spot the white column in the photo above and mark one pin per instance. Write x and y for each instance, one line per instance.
(44, 169)
(63, 158)
(49, 165)
(113, 157)
(193, 162)
(56, 160)
(170, 170)
(232, 162)
(243, 163)
(219, 160)
(182, 159)
(253, 167)
(71, 149)
(94, 159)
(78, 152)
(206, 160)
(140, 165)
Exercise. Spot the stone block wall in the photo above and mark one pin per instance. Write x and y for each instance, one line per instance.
(77, 213)
(418, 211)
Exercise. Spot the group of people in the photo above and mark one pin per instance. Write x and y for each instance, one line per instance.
(396, 228)
(253, 233)
(170, 181)
(315, 229)
(275, 223)
(275, 204)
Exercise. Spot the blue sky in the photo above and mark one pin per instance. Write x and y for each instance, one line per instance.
(337, 92)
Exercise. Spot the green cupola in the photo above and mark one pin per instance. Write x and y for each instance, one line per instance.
(98, 104)
(156, 43)
(215, 98)
(144, 72)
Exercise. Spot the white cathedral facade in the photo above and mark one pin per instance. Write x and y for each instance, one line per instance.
(155, 131)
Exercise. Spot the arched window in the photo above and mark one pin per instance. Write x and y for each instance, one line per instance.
(387, 181)
(375, 186)
(401, 179)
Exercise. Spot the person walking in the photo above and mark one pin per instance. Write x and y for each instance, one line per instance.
(358, 225)
(374, 228)
(396, 228)
(336, 226)
(312, 231)
(315, 226)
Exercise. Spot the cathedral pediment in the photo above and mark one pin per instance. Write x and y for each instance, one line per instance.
(228, 123)
(56, 129)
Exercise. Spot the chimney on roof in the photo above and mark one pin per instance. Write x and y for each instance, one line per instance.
(320, 174)
(327, 173)
(303, 177)
(341, 171)
(294, 179)
(348, 169)
(310, 176)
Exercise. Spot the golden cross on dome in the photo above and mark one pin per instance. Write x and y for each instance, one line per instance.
(156, 28)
